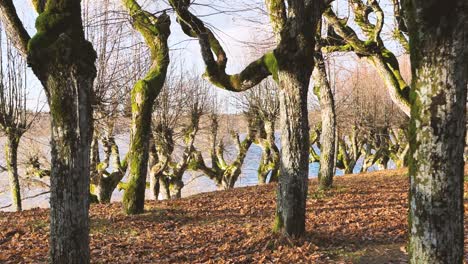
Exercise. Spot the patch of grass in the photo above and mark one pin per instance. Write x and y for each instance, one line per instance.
(340, 188)
(341, 254)
(105, 226)
(38, 224)
(321, 194)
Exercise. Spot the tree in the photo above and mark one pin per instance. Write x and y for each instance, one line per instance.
(63, 60)
(343, 38)
(261, 106)
(177, 114)
(349, 149)
(399, 146)
(291, 64)
(439, 59)
(103, 181)
(225, 174)
(15, 119)
(323, 91)
(366, 118)
(155, 31)
(117, 69)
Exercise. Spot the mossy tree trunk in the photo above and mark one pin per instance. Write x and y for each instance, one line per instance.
(349, 151)
(63, 61)
(156, 165)
(439, 57)
(344, 38)
(323, 91)
(270, 159)
(295, 61)
(156, 31)
(291, 65)
(399, 147)
(11, 156)
(108, 181)
(292, 189)
(225, 175)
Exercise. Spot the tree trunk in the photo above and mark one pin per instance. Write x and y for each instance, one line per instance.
(107, 186)
(71, 138)
(294, 125)
(104, 191)
(327, 111)
(154, 173)
(156, 31)
(176, 189)
(439, 58)
(11, 155)
(295, 59)
(166, 188)
(134, 196)
(63, 61)
(229, 179)
(263, 170)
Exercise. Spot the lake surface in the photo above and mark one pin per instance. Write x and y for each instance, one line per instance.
(195, 182)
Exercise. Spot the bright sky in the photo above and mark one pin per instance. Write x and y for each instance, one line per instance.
(231, 28)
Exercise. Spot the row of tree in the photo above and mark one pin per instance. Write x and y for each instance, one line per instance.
(66, 64)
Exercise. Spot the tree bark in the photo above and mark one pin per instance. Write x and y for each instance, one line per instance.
(156, 31)
(11, 155)
(291, 65)
(63, 61)
(154, 171)
(71, 136)
(327, 111)
(295, 61)
(294, 125)
(439, 57)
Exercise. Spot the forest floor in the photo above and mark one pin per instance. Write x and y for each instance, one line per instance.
(362, 220)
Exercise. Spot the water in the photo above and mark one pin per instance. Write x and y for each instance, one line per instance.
(195, 182)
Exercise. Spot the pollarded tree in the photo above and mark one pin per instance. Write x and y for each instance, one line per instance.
(177, 115)
(373, 114)
(224, 173)
(63, 60)
(15, 119)
(370, 19)
(399, 146)
(294, 23)
(438, 33)
(155, 31)
(168, 113)
(349, 149)
(323, 91)
(261, 105)
(108, 172)
(117, 69)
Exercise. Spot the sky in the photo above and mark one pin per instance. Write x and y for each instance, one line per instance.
(231, 25)
(231, 29)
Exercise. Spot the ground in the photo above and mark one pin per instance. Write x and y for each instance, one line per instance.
(362, 220)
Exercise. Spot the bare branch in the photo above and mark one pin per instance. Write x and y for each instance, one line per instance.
(253, 74)
(14, 27)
